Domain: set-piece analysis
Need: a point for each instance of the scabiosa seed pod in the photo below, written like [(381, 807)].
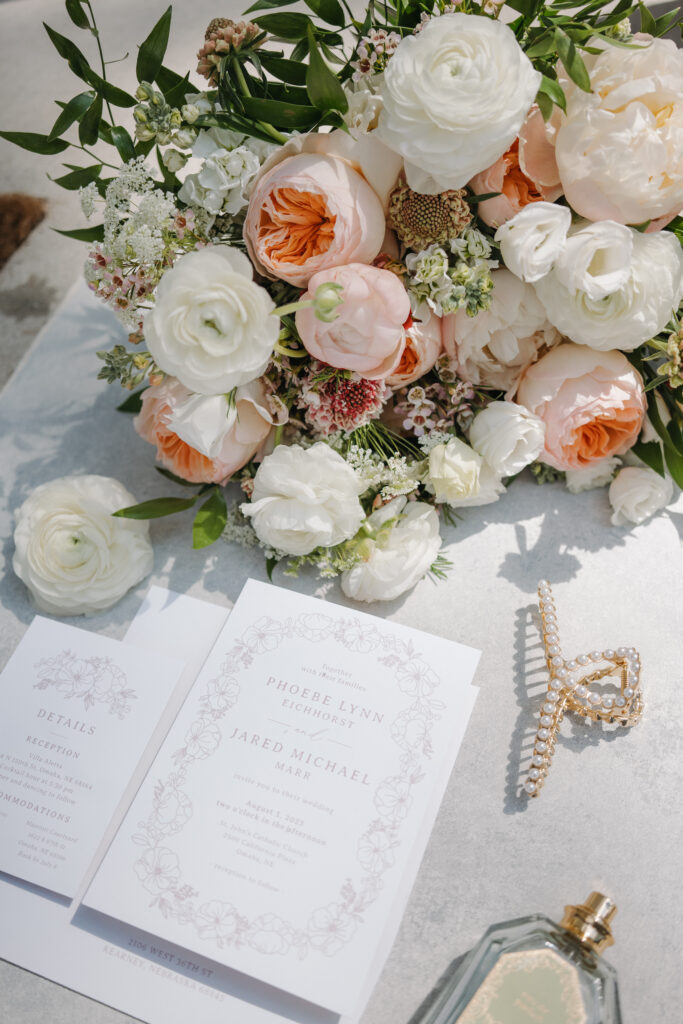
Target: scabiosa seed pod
[(421, 220)]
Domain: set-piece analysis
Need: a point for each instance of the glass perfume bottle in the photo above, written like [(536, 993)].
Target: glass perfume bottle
[(535, 971)]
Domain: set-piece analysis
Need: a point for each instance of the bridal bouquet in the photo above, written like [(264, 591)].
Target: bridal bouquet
[(373, 267)]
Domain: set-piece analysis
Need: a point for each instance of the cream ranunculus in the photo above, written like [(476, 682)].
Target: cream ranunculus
[(595, 474), (494, 347), (636, 493), (399, 559), (455, 97), (453, 471), (74, 556), (211, 325), (304, 498), (507, 436), (620, 147), (613, 287), (533, 239)]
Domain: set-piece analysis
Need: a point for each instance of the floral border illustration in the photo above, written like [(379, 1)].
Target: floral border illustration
[(93, 680), (329, 927)]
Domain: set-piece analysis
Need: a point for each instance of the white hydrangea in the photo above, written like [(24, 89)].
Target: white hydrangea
[(230, 164)]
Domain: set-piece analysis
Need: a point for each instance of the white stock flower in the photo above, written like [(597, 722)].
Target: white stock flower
[(401, 559), (455, 97), (646, 278), (594, 474), (74, 556), (211, 325), (507, 436), (230, 164), (620, 147), (533, 239), (495, 346), (636, 493), (453, 471), (304, 498)]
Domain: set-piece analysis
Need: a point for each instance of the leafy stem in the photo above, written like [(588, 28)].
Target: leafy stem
[(244, 89), (95, 32)]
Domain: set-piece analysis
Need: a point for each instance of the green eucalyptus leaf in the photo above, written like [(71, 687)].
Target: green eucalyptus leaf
[(329, 10), (168, 80), (88, 129), (210, 521), (551, 87), (291, 26), (70, 52), (674, 463), (175, 97), (647, 22), (132, 404), (35, 143), (74, 8), (290, 71), (94, 234), (73, 110), (270, 566), (110, 93), (572, 60), (167, 472), (156, 508), (268, 5), (322, 85), (650, 452), (151, 52), (79, 178), (123, 143), (282, 115)]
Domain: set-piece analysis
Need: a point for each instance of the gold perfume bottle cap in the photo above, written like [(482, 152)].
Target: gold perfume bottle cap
[(589, 921)]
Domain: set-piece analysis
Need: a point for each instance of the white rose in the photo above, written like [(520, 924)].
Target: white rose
[(364, 108), (455, 97), (620, 148), (74, 556), (211, 326), (305, 498), (645, 278), (594, 474), (533, 239), (453, 471), (205, 422), (397, 561), (507, 436), (636, 493), (495, 346)]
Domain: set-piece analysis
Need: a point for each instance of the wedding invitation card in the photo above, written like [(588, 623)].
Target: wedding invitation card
[(281, 824), (76, 712)]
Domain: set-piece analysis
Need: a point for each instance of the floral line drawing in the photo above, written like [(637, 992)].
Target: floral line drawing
[(328, 928), (93, 680)]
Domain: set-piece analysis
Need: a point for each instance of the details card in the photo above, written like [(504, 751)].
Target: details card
[(278, 826), (76, 712)]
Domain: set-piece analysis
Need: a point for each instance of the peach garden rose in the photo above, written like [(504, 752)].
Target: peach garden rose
[(592, 404)]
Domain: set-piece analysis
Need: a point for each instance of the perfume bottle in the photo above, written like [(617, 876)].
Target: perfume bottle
[(534, 971)]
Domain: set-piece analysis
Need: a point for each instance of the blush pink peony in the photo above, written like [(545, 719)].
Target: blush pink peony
[(526, 173), (247, 425), (592, 404), (367, 336)]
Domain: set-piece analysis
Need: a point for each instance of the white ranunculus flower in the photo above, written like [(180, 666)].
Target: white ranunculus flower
[(507, 436), (211, 325), (594, 474), (455, 97), (453, 471), (304, 498), (645, 292), (636, 493), (495, 346), (74, 556), (399, 560), (533, 239), (620, 148)]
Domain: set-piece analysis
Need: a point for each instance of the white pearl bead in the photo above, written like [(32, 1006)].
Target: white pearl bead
[(621, 652), (551, 637), (552, 697), (609, 654), (571, 664), (561, 673), (543, 583), (554, 649), (628, 691), (538, 760), (534, 773), (555, 684), (530, 787), (541, 747), (596, 655), (581, 691), (620, 702), (571, 681), (546, 720), (594, 698), (549, 708), (608, 702), (550, 619), (631, 650), (543, 734)]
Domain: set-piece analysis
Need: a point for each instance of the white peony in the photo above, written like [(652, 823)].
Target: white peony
[(74, 556), (507, 436), (613, 287), (398, 560), (620, 148), (453, 471), (455, 97), (211, 326), (636, 493), (594, 474), (304, 498), (495, 346), (533, 239)]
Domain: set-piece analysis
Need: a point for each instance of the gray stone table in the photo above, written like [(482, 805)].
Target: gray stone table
[(609, 816)]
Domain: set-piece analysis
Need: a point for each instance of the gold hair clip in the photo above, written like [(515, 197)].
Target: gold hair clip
[(569, 689)]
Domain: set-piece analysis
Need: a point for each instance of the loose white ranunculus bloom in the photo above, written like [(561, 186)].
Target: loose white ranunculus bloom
[(507, 436), (304, 498), (533, 239), (645, 291), (455, 97), (74, 556), (495, 346), (594, 474), (211, 325), (453, 471), (398, 560), (620, 148), (636, 493)]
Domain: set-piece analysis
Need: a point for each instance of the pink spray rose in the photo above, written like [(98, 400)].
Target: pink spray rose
[(423, 346), (592, 404), (367, 336)]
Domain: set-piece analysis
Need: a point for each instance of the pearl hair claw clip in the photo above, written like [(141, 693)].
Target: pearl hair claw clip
[(570, 689)]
